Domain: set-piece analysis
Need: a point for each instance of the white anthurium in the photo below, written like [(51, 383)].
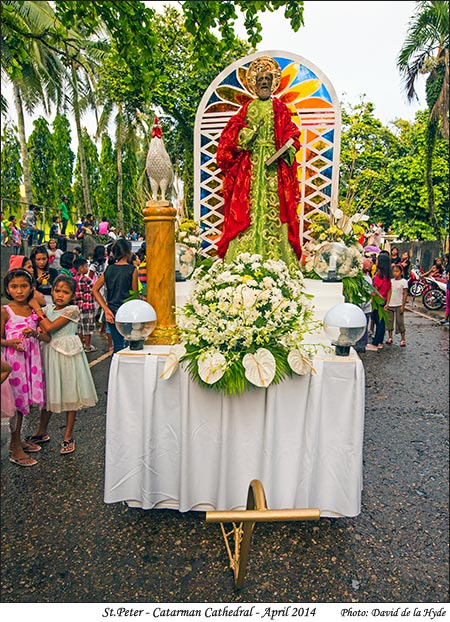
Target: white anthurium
[(260, 367), (211, 366), (173, 360), (338, 213), (359, 217), (298, 362)]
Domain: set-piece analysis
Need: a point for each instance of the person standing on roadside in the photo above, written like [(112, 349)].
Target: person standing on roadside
[(382, 283), (64, 214), (119, 278), (397, 302)]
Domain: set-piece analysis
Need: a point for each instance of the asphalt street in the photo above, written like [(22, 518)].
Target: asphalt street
[(62, 544)]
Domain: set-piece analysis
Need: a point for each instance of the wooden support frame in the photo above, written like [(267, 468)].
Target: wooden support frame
[(243, 522)]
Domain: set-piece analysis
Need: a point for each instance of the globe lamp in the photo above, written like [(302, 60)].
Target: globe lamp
[(135, 321), (332, 261), (345, 324)]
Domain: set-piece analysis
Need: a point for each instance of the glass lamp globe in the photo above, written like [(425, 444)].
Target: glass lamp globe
[(344, 324), (332, 261), (184, 261), (135, 320)]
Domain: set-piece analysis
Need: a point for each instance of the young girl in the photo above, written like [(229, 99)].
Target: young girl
[(54, 253), (397, 302), (43, 273), (382, 283), (68, 378), (119, 278), (85, 302), (20, 340)]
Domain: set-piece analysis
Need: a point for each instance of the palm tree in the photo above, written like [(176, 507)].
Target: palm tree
[(426, 50), (34, 68)]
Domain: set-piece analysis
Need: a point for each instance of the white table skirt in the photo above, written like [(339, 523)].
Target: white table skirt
[(174, 444)]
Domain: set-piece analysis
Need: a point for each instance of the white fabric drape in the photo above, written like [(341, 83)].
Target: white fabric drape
[(174, 444)]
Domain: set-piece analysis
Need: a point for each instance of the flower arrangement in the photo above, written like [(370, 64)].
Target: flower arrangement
[(338, 227), (188, 233), (339, 234), (244, 325)]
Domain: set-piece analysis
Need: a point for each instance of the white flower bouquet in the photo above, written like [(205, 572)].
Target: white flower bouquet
[(244, 325), (188, 233)]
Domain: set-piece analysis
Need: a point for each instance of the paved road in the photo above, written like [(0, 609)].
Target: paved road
[(62, 543)]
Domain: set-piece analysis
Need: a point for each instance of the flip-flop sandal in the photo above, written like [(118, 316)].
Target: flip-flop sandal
[(67, 447), (38, 438), (31, 448), (389, 341), (23, 462)]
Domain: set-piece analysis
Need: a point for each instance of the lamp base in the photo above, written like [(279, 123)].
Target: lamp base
[(340, 350), (136, 345), (331, 277)]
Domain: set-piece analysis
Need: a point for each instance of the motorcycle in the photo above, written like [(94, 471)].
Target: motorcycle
[(416, 284), (433, 296)]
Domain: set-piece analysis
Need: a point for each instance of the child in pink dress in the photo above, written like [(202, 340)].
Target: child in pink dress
[(20, 340)]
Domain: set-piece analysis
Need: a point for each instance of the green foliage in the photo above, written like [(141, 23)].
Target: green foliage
[(357, 291), (107, 188), (42, 155), (384, 172), (63, 159), (93, 175), (10, 178), (202, 18)]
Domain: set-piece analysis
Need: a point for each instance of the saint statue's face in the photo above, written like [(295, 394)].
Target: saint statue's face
[(264, 84)]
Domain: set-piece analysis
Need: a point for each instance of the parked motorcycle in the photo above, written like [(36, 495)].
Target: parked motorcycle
[(433, 296), (416, 284)]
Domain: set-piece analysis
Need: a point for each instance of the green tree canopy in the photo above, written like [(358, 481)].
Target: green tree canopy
[(63, 159), (11, 176), (42, 156)]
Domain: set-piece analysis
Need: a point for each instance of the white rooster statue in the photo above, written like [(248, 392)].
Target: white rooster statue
[(158, 165)]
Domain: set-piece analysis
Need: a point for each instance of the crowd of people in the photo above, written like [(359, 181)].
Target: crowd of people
[(55, 300), (388, 273), (27, 232)]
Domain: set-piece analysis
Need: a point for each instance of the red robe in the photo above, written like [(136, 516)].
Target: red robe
[(236, 166)]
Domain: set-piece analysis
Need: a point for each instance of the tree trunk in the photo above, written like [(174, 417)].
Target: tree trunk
[(432, 131), (119, 169), (83, 169), (23, 144)]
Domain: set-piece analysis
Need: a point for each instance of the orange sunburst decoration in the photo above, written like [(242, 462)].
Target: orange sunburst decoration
[(297, 88)]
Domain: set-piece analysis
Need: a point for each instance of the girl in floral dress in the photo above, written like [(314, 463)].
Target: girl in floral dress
[(20, 339), (68, 378)]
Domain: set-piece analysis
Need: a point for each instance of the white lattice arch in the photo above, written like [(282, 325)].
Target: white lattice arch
[(318, 116)]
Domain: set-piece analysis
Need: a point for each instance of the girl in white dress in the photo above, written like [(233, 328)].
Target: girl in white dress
[(69, 382)]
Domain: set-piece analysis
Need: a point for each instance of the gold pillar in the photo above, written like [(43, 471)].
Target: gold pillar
[(159, 218)]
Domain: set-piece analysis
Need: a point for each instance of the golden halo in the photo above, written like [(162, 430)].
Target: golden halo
[(263, 63)]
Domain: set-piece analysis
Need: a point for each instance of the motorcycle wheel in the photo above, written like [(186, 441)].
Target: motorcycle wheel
[(416, 289), (433, 299)]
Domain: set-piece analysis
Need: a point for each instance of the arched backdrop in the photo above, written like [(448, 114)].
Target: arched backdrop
[(314, 107)]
